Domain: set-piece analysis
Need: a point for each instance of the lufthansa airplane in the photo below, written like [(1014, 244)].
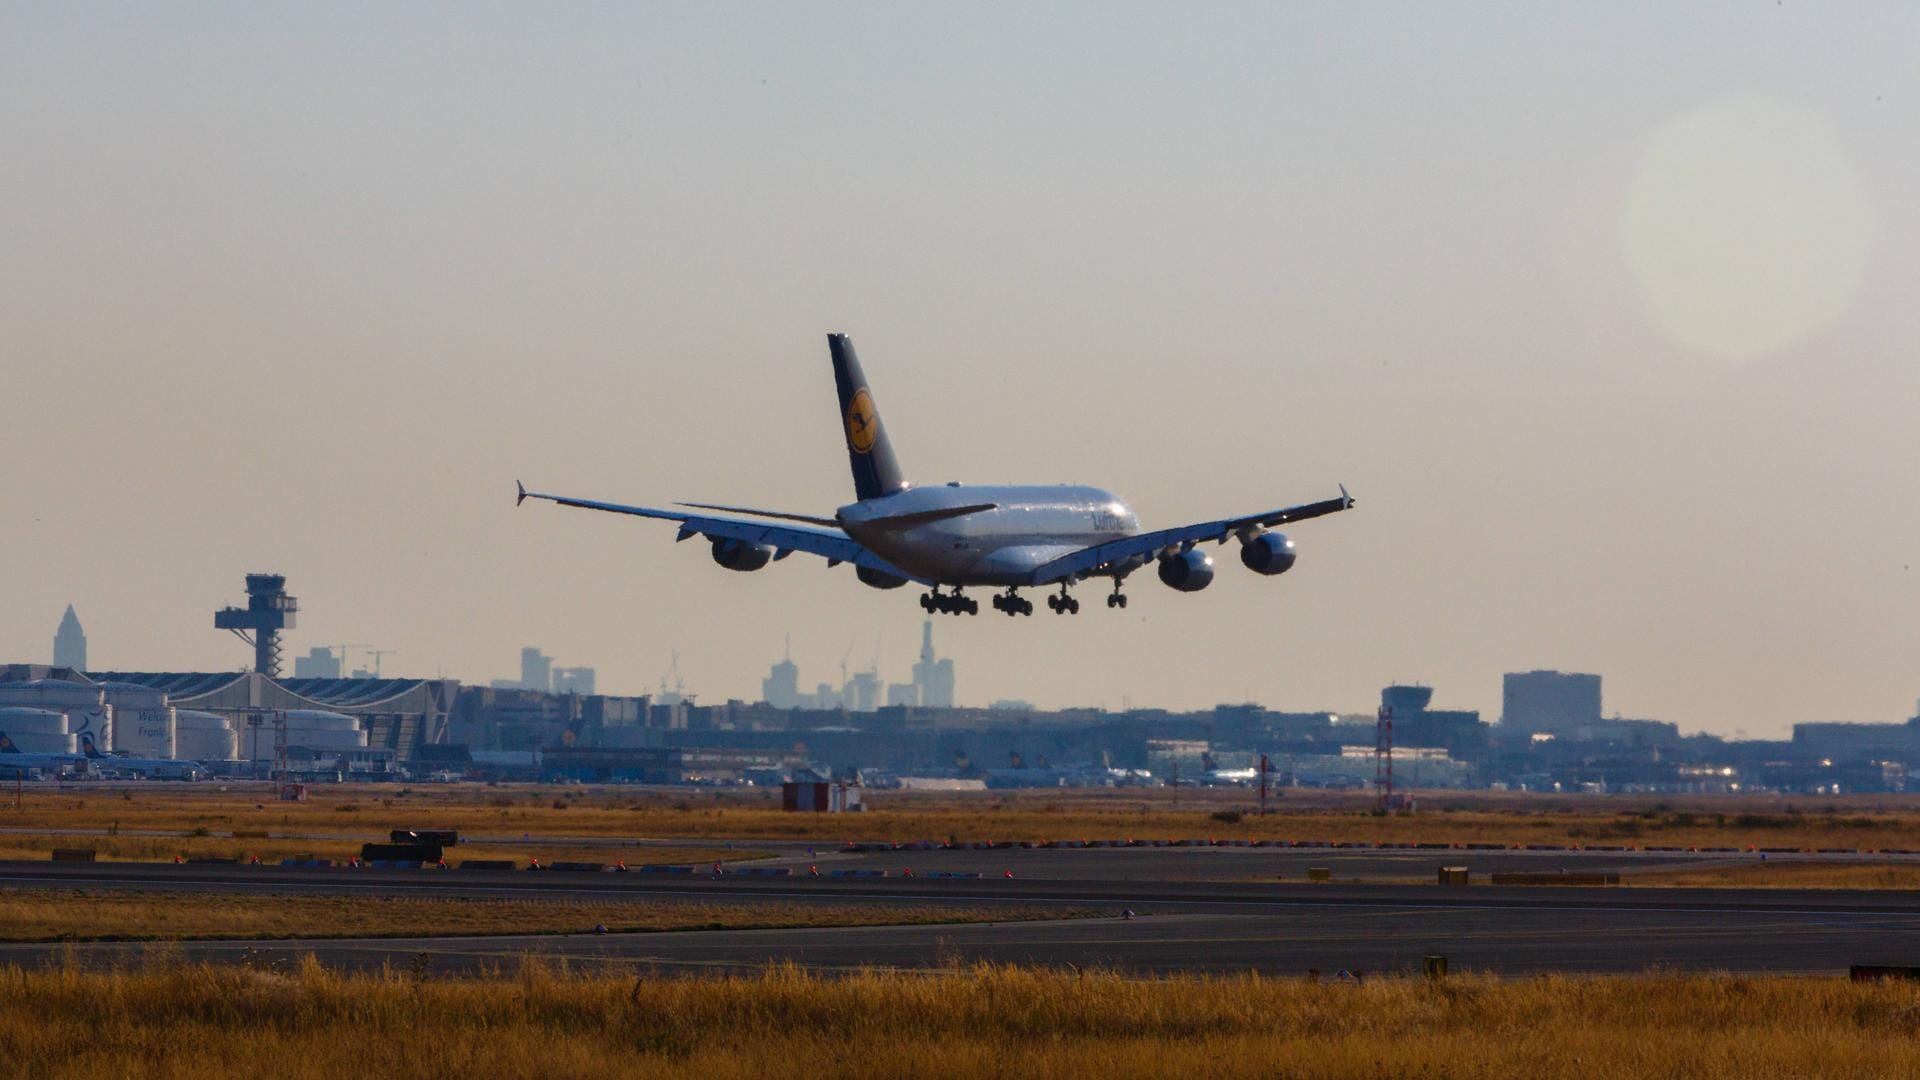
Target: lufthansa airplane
[(14, 758), (151, 768), (954, 536)]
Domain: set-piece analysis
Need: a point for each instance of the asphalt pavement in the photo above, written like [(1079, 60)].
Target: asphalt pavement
[(1276, 927)]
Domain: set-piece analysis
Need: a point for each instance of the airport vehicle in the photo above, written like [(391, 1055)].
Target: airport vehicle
[(954, 536), (145, 768), (13, 758)]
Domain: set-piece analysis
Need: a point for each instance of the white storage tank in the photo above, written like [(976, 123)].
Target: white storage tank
[(37, 731), (312, 729), (203, 736), (143, 721), (85, 704)]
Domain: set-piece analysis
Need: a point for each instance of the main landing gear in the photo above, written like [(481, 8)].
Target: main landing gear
[(1012, 603), (1063, 604), (1117, 598), (951, 603)]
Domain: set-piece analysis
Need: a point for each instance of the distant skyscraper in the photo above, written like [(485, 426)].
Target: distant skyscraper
[(573, 680), (1549, 701), (863, 691), (781, 687), (70, 643), (932, 678), (536, 670), (317, 664)]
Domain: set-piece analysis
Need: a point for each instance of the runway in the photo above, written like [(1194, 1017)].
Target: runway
[(1206, 926)]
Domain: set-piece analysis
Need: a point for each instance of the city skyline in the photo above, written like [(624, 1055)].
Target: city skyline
[(1602, 314), (1575, 697)]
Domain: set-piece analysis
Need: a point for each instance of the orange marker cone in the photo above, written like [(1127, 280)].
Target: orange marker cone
[(620, 865), (533, 864), (443, 864), (176, 860), (814, 870), (1008, 874)]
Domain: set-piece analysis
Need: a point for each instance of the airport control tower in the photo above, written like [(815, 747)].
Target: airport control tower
[(269, 610)]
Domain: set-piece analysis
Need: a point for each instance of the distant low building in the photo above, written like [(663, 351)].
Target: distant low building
[(573, 680), (319, 663), (1554, 702)]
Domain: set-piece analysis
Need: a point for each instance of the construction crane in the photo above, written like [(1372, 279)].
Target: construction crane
[(377, 654), (342, 650)]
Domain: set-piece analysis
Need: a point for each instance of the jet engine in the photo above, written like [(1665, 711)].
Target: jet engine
[(740, 555), (1189, 571), (1267, 553), (877, 579)]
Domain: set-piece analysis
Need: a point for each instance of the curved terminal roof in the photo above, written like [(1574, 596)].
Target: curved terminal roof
[(328, 693)]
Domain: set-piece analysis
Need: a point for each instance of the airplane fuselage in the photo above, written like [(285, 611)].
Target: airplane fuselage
[(1027, 526), (150, 768), (17, 760)]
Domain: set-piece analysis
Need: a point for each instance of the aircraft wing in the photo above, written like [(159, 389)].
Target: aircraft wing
[(831, 544), (1086, 561)]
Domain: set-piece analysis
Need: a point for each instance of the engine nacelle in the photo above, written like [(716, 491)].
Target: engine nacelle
[(1189, 571), (740, 555), (1268, 553), (877, 579)]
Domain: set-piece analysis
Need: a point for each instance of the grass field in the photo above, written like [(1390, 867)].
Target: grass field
[(82, 915), (196, 1021), (1785, 875), (367, 812)]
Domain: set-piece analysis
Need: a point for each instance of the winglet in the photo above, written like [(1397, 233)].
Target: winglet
[(522, 497), (1344, 497)]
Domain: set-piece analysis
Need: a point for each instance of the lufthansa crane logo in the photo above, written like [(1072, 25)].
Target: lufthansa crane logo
[(863, 422)]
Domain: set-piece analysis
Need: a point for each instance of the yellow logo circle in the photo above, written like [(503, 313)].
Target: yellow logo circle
[(863, 422)]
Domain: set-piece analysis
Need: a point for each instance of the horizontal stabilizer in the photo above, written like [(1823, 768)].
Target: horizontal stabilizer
[(805, 519), (908, 521)]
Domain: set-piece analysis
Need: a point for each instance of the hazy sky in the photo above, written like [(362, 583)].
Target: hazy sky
[(1606, 313)]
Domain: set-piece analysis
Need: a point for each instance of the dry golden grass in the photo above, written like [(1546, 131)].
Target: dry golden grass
[(198, 1021), (85, 915), (367, 812), (1774, 874)]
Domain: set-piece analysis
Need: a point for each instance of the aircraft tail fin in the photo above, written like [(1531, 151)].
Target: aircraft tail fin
[(6, 745), (87, 747), (876, 472)]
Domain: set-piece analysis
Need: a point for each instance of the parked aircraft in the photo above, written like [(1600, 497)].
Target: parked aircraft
[(12, 758), (149, 768), (955, 536)]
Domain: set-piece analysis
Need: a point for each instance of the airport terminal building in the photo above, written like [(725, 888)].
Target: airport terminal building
[(367, 725)]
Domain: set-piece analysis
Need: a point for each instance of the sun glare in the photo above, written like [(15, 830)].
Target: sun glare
[(1745, 228)]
